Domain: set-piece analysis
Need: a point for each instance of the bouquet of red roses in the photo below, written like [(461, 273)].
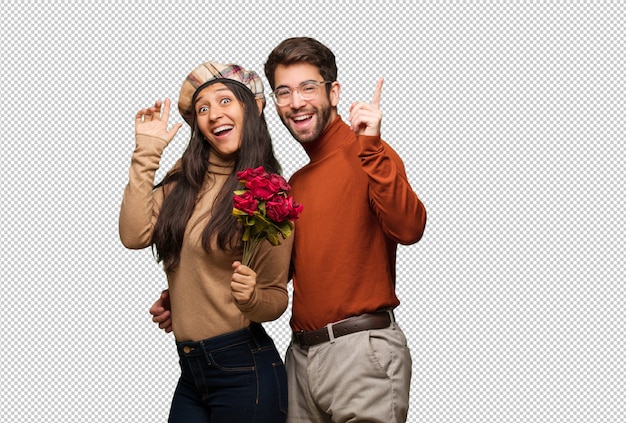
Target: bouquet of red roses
[(264, 208)]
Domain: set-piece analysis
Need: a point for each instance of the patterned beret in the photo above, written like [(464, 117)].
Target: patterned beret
[(211, 71)]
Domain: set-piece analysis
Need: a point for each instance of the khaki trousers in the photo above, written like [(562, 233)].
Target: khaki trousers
[(361, 377)]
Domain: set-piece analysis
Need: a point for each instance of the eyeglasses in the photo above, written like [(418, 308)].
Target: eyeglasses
[(307, 91)]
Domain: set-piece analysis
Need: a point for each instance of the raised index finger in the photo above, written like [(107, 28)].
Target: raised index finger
[(377, 92)]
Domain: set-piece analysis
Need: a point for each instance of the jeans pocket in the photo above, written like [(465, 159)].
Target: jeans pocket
[(234, 358)]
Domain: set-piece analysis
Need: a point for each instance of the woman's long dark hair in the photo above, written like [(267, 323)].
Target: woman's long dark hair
[(179, 202)]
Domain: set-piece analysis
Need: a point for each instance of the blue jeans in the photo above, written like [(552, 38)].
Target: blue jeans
[(236, 377)]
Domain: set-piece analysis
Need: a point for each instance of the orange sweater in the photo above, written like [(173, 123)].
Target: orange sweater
[(358, 205)]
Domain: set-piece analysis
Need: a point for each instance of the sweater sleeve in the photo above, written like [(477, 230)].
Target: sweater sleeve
[(398, 208), (141, 202), (270, 299)]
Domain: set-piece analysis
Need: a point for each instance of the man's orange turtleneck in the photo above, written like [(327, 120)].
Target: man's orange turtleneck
[(358, 205)]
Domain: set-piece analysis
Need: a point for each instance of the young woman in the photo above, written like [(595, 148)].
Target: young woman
[(230, 368)]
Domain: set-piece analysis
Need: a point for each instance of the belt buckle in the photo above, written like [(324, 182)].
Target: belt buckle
[(300, 338)]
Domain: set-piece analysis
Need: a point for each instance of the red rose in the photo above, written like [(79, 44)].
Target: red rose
[(280, 182), (277, 208), (294, 208), (249, 174), (246, 203), (262, 187)]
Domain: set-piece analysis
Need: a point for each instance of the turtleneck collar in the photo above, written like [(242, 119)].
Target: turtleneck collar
[(220, 165), (333, 137)]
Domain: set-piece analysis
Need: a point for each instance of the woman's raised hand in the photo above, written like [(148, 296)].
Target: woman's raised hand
[(152, 122)]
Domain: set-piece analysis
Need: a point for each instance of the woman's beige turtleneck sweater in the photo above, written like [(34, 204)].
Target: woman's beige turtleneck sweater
[(201, 301)]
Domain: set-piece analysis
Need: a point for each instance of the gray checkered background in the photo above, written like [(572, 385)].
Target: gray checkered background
[(509, 117)]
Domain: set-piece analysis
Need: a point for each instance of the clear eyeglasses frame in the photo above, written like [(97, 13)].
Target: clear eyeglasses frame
[(307, 91)]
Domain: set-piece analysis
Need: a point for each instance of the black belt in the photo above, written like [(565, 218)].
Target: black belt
[(376, 320)]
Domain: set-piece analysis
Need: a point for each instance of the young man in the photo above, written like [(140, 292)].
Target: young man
[(348, 360)]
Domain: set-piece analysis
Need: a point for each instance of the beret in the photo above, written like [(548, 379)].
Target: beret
[(212, 71)]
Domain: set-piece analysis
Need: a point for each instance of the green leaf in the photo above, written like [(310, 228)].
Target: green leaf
[(285, 228), (273, 238), (238, 212), (246, 234)]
